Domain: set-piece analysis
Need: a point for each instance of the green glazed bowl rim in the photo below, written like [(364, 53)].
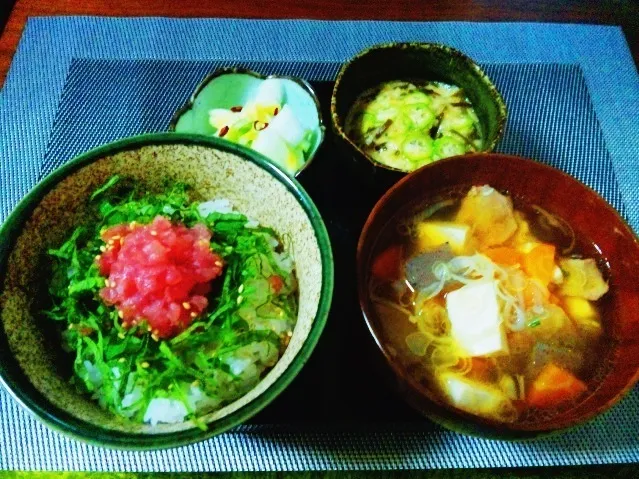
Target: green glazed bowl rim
[(306, 86), (78, 429), (496, 95)]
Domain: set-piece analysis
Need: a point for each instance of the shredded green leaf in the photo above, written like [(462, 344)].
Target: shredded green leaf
[(534, 323)]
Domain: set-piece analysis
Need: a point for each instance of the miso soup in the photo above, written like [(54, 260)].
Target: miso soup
[(494, 305)]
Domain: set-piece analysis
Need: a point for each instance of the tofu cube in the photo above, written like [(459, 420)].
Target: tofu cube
[(474, 397), (433, 234), (473, 312), (579, 308)]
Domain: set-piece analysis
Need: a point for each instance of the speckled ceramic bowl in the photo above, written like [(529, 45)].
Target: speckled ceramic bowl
[(31, 358), (412, 61), (229, 87)]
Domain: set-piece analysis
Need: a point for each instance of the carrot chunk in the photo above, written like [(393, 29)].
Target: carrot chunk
[(540, 262), (554, 386), (276, 282), (387, 265), (504, 255)]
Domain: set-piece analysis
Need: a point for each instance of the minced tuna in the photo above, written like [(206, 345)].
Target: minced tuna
[(158, 273)]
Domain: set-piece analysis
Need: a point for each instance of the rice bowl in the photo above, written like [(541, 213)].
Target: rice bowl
[(214, 170)]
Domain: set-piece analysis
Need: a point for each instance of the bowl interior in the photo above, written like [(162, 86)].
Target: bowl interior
[(51, 211), (231, 87), (419, 61), (590, 217)]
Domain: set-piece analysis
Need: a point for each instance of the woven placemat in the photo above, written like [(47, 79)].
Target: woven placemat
[(35, 81), (559, 115)]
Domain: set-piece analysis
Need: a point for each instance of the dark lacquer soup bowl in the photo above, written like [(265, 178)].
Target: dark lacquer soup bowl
[(523, 375), (35, 368)]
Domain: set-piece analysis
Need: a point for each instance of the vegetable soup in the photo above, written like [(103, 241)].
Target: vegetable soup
[(493, 305)]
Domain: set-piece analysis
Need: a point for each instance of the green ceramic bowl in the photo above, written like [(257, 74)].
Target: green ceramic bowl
[(230, 87), (412, 61), (34, 369)]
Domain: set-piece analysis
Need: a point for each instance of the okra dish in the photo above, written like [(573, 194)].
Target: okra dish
[(406, 125)]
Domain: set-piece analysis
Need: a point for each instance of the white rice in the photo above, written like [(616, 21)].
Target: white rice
[(169, 411), (165, 410), (130, 399), (215, 206), (199, 401), (93, 373)]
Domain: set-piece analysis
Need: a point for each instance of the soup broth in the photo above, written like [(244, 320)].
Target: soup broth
[(493, 306)]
